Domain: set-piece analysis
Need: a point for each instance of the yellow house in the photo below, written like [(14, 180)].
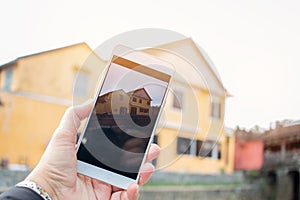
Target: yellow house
[(35, 90), (191, 130), (115, 102), (139, 102)]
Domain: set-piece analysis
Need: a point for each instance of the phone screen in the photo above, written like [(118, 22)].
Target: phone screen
[(118, 131)]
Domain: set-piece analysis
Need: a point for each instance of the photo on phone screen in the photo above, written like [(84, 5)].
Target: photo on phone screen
[(118, 131)]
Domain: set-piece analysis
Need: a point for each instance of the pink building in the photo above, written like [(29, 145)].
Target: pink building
[(249, 150)]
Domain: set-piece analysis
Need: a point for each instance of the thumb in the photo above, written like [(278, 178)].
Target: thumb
[(70, 122)]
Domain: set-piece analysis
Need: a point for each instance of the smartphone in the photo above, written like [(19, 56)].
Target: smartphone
[(118, 132)]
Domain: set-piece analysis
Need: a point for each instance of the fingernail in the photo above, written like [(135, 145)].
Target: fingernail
[(148, 167)]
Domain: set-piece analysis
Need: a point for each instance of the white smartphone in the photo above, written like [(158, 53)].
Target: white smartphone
[(118, 132)]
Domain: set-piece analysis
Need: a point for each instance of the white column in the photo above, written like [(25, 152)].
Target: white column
[(214, 153), (282, 151)]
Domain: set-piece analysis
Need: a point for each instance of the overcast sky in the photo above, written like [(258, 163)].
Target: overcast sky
[(129, 80), (255, 44)]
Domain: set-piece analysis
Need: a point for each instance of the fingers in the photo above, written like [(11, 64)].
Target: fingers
[(102, 190), (132, 193), (83, 110), (153, 152), (147, 168), (146, 173), (71, 120), (73, 116)]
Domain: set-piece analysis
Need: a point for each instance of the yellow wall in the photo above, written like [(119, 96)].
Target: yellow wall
[(41, 90), (26, 127), (114, 103), (169, 160), (53, 73), (117, 103), (102, 108), (209, 128), (193, 120)]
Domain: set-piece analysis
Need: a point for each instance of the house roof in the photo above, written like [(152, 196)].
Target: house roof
[(247, 135), (13, 62), (112, 92), (9, 64), (281, 133), (140, 89), (129, 93), (188, 50)]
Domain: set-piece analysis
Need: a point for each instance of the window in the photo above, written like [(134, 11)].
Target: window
[(144, 110), (193, 147), (8, 79), (177, 99), (206, 149), (123, 110), (81, 84), (1, 84), (187, 146), (121, 97), (219, 151), (133, 111), (148, 102), (216, 110), (134, 99), (199, 145), (183, 145), (140, 100), (209, 149), (155, 141)]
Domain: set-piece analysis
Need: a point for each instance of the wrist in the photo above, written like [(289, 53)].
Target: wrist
[(44, 183), (35, 188)]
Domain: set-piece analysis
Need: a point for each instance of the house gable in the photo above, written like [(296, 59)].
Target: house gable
[(185, 54), (142, 93)]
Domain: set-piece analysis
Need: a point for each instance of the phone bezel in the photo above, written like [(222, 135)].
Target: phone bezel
[(147, 61)]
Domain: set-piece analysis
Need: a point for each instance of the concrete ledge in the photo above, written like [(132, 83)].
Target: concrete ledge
[(190, 178), (9, 178), (200, 192), (174, 186)]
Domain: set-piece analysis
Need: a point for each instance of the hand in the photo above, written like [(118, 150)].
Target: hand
[(57, 170)]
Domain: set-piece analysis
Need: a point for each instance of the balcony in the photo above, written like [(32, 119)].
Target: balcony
[(281, 158)]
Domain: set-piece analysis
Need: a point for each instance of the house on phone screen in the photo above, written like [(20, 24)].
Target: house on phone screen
[(140, 102), (35, 90), (136, 102), (113, 103), (191, 130)]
